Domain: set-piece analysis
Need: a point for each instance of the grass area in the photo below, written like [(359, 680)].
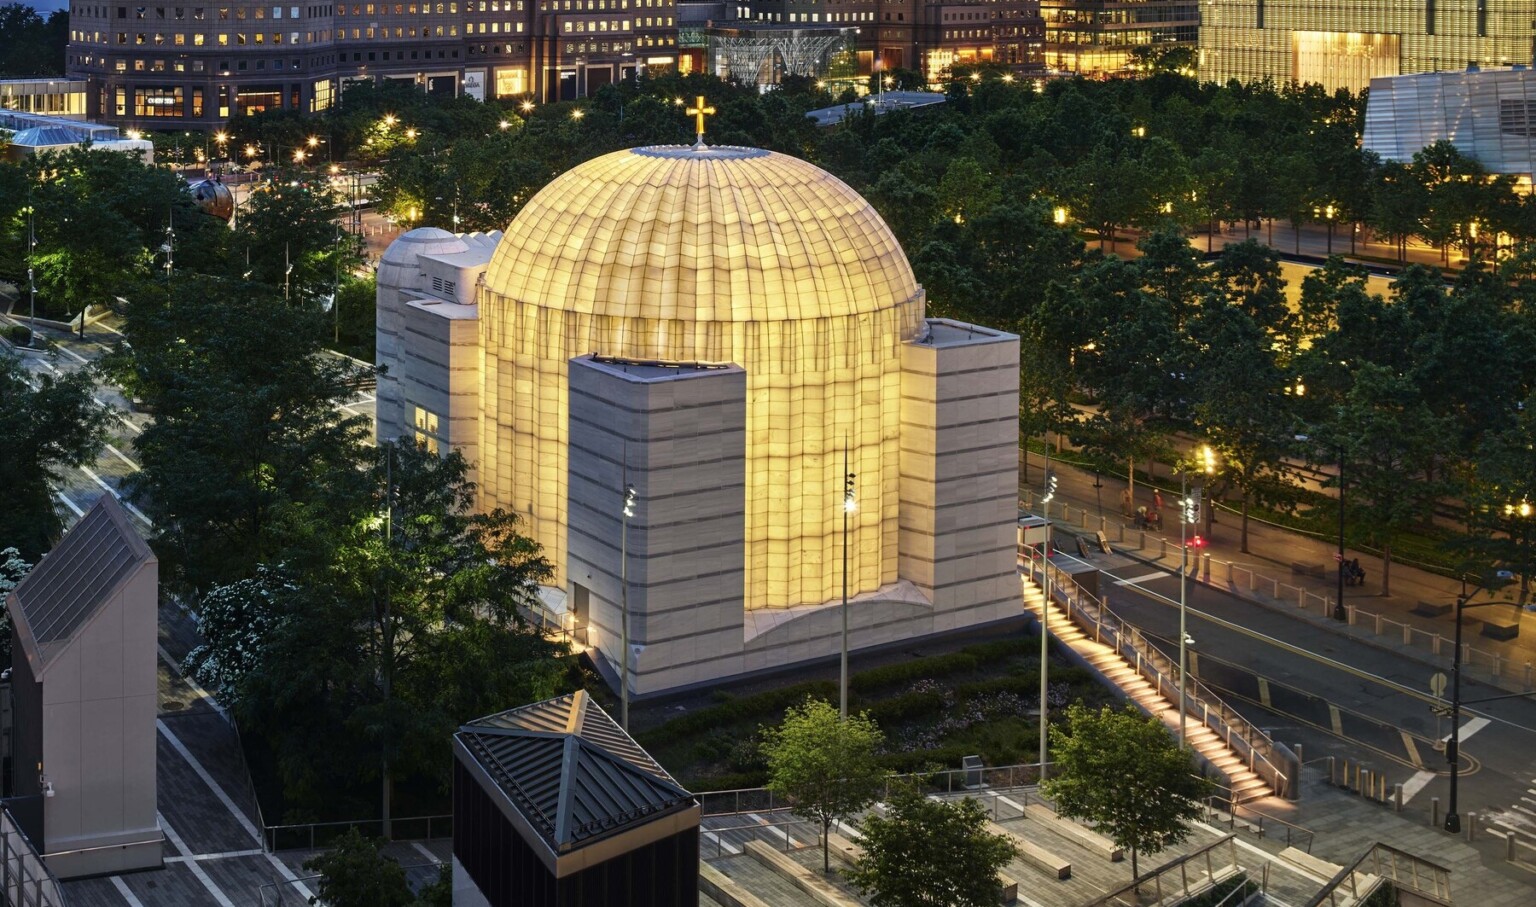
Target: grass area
[(980, 700)]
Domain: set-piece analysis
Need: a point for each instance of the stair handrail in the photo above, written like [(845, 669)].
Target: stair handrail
[(1356, 882), (1259, 752)]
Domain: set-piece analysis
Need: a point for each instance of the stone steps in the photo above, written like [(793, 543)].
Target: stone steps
[(1244, 784)]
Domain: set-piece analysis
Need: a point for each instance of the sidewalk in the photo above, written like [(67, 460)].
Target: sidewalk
[(1267, 576)]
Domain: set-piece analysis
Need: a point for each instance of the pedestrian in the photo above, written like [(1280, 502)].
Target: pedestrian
[(1157, 500), (1126, 500)]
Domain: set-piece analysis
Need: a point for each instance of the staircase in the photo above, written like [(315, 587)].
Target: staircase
[(1157, 696)]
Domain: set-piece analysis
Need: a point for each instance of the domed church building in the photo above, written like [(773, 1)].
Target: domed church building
[(704, 379)]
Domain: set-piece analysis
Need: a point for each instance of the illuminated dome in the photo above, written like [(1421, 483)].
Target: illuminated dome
[(739, 255), (717, 235)]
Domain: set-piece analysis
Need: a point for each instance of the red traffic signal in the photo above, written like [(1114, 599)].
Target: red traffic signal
[(1197, 542)]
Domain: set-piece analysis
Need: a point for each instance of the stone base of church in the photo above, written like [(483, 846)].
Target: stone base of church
[(773, 640)]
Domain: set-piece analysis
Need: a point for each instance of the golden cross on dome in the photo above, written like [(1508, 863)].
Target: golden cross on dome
[(699, 112)]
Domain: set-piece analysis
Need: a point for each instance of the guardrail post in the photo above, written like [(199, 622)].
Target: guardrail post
[(1229, 573), (1471, 826), (1434, 812), (1509, 848), (1435, 647), (1162, 550), (1301, 598), (1378, 624), (1253, 581), (1397, 798), (1205, 567), (1407, 635)]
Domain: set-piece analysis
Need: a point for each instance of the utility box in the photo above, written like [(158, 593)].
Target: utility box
[(1084, 574), (1033, 530)]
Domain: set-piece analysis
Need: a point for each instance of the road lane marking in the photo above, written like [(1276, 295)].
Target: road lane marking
[(124, 457), (70, 504), (113, 492), (1413, 785), (1133, 580), (229, 804), (1412, 748), (197, 870), (1467, 730), (122, 889)]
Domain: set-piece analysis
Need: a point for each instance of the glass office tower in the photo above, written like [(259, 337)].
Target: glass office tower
[(1346, 43)]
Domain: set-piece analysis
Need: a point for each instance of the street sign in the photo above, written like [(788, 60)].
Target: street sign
[(1437, 684)]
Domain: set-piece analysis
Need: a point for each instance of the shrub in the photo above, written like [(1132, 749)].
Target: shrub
[(915, 669), (18, 334), (893, 711)]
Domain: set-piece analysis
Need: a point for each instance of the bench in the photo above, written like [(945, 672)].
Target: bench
[(820, 890), (1432, 609), (1086, 838), (1318, 570), (1501, 629), (725, 889), (1305, 861), (1034, 854)]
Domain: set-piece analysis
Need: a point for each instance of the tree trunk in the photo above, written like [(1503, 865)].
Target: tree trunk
[(1244, 546), (1296, 232), (826, 847), (1130, 474), (1386, 569), (1135, 870)]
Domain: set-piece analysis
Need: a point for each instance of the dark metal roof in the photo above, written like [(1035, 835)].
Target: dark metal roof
[(75, 579), (571, 771)]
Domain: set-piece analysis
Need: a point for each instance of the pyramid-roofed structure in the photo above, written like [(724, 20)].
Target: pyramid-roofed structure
[(74, 581), (571, 772)]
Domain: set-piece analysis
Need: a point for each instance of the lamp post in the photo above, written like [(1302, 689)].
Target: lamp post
[(1045, 609), (31, 282), (850, 504), (629, 511), (1189, 507), (1453, 747), (1340, 613)]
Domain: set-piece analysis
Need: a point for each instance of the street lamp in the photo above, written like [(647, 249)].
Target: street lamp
[(1453, 748), (1189, 512), (850, 505), (1045, 607), (629, 511), (31, 282), (1059, 216)]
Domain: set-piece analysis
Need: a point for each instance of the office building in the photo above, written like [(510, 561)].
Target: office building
[(159, 67), (1099, 37), (1340, 44)]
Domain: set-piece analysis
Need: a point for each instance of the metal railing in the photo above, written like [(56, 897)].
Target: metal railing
[(316, 835), (290, 893), (1241, 816), (24, 877), (1184, 878), (1384, 864), (1003, 779), (1272, 763)]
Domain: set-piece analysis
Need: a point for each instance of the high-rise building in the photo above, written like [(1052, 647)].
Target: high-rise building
[(929, 36), (173, 66), (1094, 37), (1341, 44)]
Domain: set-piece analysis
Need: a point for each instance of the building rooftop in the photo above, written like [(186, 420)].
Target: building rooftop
[(944, 333), (570, 772), (72, 583), (646, 371)]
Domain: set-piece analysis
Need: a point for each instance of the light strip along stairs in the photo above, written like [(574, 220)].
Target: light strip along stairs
[(1244, 783)]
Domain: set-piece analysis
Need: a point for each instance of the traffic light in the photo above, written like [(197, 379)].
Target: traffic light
[(1197, 542)]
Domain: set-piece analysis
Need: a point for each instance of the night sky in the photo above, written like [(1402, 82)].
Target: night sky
[(47, 6)]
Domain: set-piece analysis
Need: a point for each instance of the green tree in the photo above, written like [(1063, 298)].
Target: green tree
[(356, 873), (12, 569), (31, 46), (1123, 772), (249, 456), (51, 423), (287, 237), (825, 765), (410, 628), (1501, 493), (929, 853), (1391, 444)]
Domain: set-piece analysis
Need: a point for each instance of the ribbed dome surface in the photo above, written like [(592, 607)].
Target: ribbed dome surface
[(713, 235)]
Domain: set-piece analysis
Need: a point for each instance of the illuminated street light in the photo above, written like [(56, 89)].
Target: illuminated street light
[(1189, 513), (389, 120), (1060, 216), (504, 125), (577, 114), (526, 106), (850, 505), (312, 142)]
